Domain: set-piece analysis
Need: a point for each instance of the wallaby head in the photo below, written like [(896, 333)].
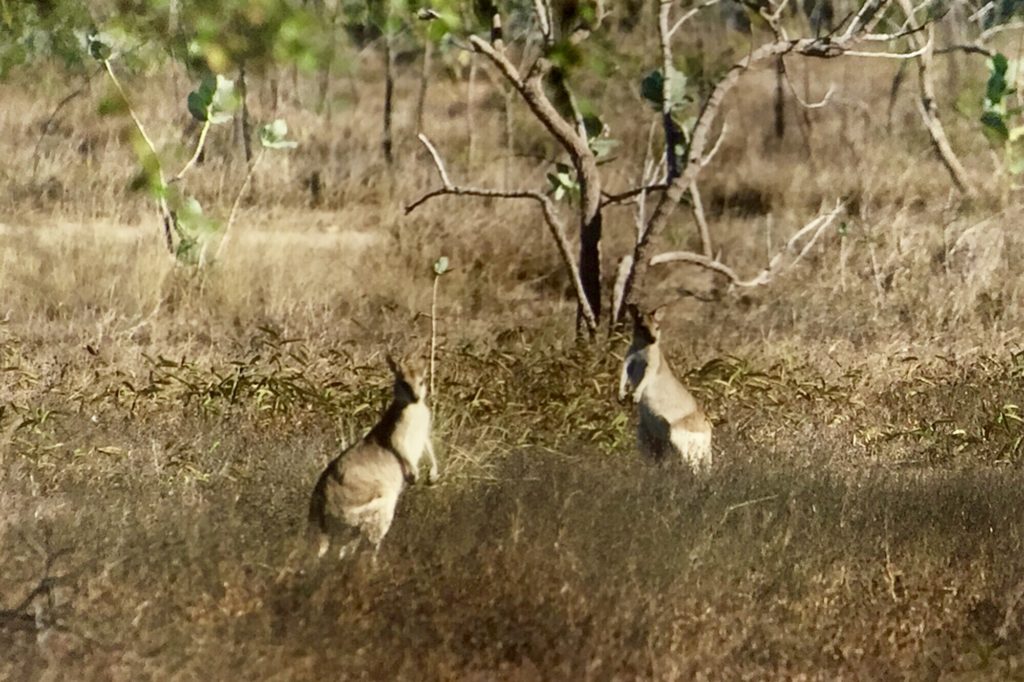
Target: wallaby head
[(410, 378), (647, 326)]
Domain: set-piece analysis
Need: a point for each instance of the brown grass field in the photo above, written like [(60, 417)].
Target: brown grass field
[(161, 429)]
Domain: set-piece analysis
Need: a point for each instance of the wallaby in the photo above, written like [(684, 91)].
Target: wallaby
[(359, 489), (670, 420)]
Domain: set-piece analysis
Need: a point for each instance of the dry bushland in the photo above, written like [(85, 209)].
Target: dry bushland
[(160, 430)]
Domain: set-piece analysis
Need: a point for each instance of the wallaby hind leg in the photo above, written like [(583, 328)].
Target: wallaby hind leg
[(691, 436), (435, 472), (348, 549), (324, 544), (694, 447), (374, 518)]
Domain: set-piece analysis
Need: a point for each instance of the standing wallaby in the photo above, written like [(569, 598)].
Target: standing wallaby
[(670, 420), (359, 489)]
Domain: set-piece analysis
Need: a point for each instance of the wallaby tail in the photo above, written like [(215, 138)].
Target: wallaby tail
[(318, 505)]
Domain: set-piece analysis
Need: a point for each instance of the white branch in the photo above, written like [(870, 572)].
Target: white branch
[(985, 9), (808, 105), (541, 9), (808, 235), (688, 15), (989, 32), (892, 55), (706, 159)]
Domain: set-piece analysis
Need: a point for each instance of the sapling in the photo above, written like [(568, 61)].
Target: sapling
[(440, 268)]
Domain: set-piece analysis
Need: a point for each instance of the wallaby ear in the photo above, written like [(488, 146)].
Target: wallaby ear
[(634, 311), (392, 365)]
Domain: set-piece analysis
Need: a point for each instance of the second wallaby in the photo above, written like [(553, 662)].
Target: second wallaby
[(670, 420), (358, 491)]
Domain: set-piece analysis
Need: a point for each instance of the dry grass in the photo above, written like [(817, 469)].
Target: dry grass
[(164, 428)]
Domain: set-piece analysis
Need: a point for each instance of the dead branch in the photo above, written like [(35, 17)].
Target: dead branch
[(929, 109), (689, 14), (798, 246), (920, 51), (987, 34), (715, 147), (968, 49), (800, 100), (554, 223), (629, 194), (697, 208)]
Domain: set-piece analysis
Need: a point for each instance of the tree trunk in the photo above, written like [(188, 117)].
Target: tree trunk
[(470, 126), (780, 99), (590, 240), (246, 125), (421, 98), (389, 92)]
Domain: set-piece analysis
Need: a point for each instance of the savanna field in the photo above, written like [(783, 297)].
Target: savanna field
[(163, 421)]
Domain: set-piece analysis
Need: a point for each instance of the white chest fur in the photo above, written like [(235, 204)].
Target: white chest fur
[(412, 432), (662, 394)]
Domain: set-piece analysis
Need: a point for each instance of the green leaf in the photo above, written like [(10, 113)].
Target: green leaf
[(996, 88), (98, 50), (994, 128), (1015, 166), (593, 124), (272, 135), (224, 100), (603, 147), (196, 106), (652, 89), (448, 23), (441, 266), (565, 55), (194, 229), (214, 100)]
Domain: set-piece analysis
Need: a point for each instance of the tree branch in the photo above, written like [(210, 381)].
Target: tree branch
[(929, 109), (554, 224), (689, 14), (815, 229), (623, 197)]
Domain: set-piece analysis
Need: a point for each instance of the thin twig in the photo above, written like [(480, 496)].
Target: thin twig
[(53, 115), (706, 159), (166, 215), (623, 197), (688, 15), (237, 202), (196, 154), (554, 224), (808, 105), (815, 229), (892, 55), (697, 208)]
